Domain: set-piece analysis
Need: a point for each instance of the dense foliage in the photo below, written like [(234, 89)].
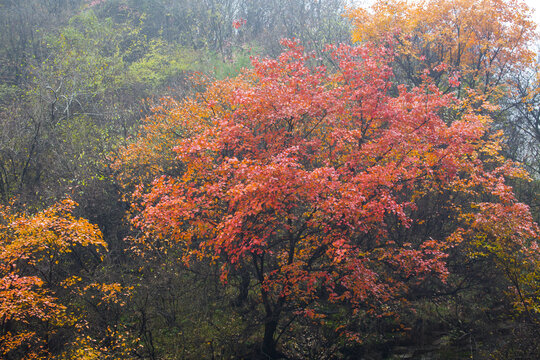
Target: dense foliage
[(301, 179)]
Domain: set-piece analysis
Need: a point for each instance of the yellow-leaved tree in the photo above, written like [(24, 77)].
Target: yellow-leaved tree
[(40, 289), (479, 42)]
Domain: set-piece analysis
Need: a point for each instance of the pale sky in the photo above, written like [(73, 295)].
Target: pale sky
[(535, 4)]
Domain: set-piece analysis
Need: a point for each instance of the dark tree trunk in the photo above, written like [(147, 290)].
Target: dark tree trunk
[(269, 343)]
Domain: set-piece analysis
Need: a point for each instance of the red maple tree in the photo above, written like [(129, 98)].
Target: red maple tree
[(315, 183)]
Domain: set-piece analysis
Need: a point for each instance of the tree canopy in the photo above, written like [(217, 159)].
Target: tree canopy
[(313, 182)]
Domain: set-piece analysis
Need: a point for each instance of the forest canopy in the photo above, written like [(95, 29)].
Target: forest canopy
[(301, 179)]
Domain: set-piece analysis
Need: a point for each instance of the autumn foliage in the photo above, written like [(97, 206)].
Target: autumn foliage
[(315, 181), (481, 41), (32, 250), (329, 202)]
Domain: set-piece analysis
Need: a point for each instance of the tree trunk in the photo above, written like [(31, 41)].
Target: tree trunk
[(269, 343)]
